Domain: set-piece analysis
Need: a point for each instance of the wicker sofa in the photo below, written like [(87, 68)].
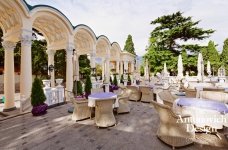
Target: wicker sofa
[(214, 95)]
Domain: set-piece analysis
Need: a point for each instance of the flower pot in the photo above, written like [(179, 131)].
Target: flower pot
[(39, 110), (46, 83)]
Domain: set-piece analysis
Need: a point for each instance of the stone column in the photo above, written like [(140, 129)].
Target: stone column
[(9, 83), (107, 74), (76, 57), (103, 68), (118, 66), (92, 60), (69, 69), (121, 68), (51, 61), (126, 66), (26, 65), (132, 67)]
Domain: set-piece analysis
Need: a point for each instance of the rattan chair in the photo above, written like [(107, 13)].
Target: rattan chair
[(170, 131), (135, 93), (147, 94), (167, 97), (124, 105), (97, 90), (81, 110), (104, 116), (190, 92)]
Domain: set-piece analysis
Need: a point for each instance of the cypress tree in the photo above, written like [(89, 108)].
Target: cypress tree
[(224, 55), (37, 94), (129, 45)]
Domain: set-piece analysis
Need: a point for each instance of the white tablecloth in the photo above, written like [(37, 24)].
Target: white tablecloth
[(201, 116), (102, 95)]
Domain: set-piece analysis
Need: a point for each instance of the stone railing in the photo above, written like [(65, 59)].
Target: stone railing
[(54, 96)]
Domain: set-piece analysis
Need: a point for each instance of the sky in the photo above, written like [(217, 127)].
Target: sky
[(118, 18)]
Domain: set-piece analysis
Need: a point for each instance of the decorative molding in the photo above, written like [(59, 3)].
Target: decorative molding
[(26, 40), (8, 45)]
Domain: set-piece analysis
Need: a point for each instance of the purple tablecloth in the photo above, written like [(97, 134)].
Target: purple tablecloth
[(102, 95), (203, 103)]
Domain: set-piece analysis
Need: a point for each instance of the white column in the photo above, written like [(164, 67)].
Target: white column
[(132, 67), (76, 57), (107, 74), (118, 66), (121, 68), (69, 69), (51, 61), (9, 83), (92, 60), (126, 66), (26, 64), (103, 68)]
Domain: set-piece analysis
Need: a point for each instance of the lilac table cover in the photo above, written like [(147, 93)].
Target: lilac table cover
[(101, 95), (203, 103)]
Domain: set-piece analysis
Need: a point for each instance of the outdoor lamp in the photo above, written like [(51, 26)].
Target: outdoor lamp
[(51, 68)]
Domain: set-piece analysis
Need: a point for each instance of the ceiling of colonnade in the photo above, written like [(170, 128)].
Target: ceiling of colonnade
[(55, 28), (84, 39), (115, 51), (10, 17), (103, 47)]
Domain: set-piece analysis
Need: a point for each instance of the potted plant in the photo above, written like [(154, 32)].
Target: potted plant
[(128, 79), (77, 89), (38, 98), (88, 86), (122, 79), (110, 80)]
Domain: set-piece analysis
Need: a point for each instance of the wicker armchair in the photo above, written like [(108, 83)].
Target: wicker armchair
[(170, 131), (135, 93), (190, 92), (97, 90), (104, 116), (147, 94), (214, 95), (123, 105), (167, 97), (81, 110)]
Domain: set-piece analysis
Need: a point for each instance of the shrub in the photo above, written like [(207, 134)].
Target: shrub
[(77, 88), (37, 95), (129, 79), (88, 85), (122, 79), (110, 79), (115, 81)]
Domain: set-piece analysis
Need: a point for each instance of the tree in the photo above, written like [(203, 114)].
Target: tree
[(122, 79), (77, 88), (84, 66), (37, 95), (129, 45), (60, 64), (224, 55), (88, 85), (173, 31), (115, 81)]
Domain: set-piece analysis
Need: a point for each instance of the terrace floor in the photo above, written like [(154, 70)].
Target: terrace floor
[(56, 131)]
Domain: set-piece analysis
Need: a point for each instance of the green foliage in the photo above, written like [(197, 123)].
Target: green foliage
[(169, 38), (88, 85), (224, 55), (122, 79), (77, 88), (115, 81), (170, 28), (129, 45), (39, 57), (128, 78), (98, 70), (60, 64), (37, 95), (84, 66)]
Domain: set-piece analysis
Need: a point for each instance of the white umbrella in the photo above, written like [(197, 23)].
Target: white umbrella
[(208, 68), (146, 70), (180, 67), (200, 67)]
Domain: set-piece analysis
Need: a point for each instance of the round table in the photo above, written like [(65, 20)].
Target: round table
[(204, 112), (102, 95)]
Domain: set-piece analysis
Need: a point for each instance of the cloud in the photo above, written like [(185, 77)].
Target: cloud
[(117, 18)]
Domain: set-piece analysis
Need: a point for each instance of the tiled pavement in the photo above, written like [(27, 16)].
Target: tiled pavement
[(56, 131)]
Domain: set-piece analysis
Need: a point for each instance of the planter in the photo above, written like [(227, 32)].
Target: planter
[(59, 81), (86, 95), (39, 110), (46, 83)]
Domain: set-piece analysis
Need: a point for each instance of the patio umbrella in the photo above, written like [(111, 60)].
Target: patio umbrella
[(200, 67), (208, 68), (146, 70), (165, 69), (180, 67)]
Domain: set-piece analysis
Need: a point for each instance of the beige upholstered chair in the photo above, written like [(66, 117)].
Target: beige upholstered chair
[(104, 116), (167, 97), (147, 94), (190, 92), (97, 90), (170, 131), (81, 110), (214, 95), (124, 105), (135, 93)]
